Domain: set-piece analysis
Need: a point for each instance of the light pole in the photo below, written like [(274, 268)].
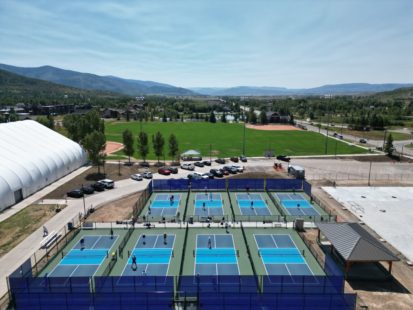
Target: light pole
[(243, 140), (84, 203), (384, 139), (210, 152), (369, 173)]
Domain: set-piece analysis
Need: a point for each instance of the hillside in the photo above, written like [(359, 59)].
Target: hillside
[(96, 82), (400, 93), (15, 88), (335, 89)]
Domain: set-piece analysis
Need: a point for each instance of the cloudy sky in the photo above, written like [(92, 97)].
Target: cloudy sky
[(215, 42)]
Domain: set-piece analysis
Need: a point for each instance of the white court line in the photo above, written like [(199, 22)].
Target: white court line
[(235, 249), (258, 249), (96, 242)]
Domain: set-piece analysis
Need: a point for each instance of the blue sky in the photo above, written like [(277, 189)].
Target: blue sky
[(215, 42)]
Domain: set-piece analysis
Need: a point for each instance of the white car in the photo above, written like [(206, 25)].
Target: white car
[(239, 168), (136, 177), (188, 167), (147, 175), (109, 184)]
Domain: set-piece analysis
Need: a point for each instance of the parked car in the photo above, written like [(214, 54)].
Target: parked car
[(224, 172), (234, 159), (147, 175), (206, 163), (136, 177), (238, 167), (188, 167), (199, 164), (216, 173), (243, 158), (98, 187), (109, 184), (173, 170), (230, 169), (284, 158), (220, 161), (207, 175), (194, 176), (164, 171), (363, 141), (76, 193), (88, 189)]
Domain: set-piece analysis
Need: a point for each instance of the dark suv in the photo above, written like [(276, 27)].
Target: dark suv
[(76, 193), (216, 173)]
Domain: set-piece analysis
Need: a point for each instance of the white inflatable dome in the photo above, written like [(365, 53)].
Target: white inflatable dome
[(31, 157)]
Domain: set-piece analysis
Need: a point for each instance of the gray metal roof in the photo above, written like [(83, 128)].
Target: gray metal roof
[(354, 243)]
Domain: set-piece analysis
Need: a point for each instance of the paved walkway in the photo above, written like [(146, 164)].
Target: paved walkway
[(40, 194), (12, 260)]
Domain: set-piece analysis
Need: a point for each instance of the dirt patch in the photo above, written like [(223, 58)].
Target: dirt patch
[(259, 175), (272, 127), (19, 226), (112, 171), (112, 147), (394, 293), (119, 210)]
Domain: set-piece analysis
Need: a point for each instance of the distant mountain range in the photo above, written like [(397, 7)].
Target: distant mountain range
[(16, 88), (96, 82), (337, 89), (136, 87)]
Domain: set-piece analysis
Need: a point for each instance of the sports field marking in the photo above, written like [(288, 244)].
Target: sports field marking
[(214, 257), (281, 259), (156, 255), (88, 260), (208, 204), (252, 204), (296, 204)]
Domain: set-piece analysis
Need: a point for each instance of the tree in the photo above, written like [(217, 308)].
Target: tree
[(95, 143), (173, 146), (128, 148), (389, 148), (212, 118), (158, 143), (252, 117), (263, 118), (143, 145), (127, 114), (223, 118), (47, 121), (164, 119)]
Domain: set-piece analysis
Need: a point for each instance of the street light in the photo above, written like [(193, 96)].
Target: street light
[(84, 203), (243, 140)]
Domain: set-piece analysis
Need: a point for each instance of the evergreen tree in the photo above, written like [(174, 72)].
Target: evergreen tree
[(212, 118), (223, 118), (158, 143), (263, 118), (173, 146), (128, 148), (389, 148), (143, 145)]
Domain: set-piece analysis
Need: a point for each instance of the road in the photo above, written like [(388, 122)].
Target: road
[(400, 146)]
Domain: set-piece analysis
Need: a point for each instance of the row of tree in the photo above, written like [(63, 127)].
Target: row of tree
[(158, 143)]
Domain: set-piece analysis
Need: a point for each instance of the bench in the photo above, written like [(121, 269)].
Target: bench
[(47, 241)]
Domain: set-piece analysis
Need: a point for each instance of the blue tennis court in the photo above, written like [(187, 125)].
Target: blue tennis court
[(215, 254), (252, 204), (296, 204), (153, 254), (164, 204), (208, 204), (83, 260), (280, 255)]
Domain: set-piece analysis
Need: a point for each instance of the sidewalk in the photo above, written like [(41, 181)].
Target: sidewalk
[(40, 194), (12, 260)]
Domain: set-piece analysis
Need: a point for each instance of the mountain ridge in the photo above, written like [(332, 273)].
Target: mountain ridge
[(91, 81)]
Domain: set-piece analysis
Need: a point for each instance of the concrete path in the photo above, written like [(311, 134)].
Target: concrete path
[(12, 260), (40, 194)]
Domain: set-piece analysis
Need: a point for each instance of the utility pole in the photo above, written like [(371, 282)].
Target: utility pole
[(326, 141), (369, 173), (84, 203), (210, 152), (243, 140)]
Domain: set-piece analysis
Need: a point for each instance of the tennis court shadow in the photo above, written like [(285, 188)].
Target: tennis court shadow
[(375, 278)]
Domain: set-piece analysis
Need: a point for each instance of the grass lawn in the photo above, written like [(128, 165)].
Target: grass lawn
[(19, 226), (227, 139)]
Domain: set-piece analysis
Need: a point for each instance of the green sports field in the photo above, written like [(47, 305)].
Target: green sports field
[(227, 139)]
